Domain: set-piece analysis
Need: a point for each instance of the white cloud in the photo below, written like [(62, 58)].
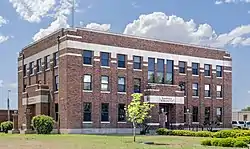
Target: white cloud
[(96, 26), (232, 1), (160, 26), (62, 10), (1, 83), (135, 5), (33, 10), (3, 21), (218, 2), (3, 38), (60, 22)]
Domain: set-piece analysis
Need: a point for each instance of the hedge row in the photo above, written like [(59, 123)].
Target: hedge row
[(219, 134), (227, 142)]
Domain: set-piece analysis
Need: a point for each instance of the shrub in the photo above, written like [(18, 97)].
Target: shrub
[(203, 134), (223, 134), (227, 142), (161, 131), (6, 126), (215, 141), (244, 139), (43, 124), (240, 143), (206, 142), (182, 133)]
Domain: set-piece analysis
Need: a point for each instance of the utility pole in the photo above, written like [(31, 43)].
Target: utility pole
[(73, 13), (8, 104)]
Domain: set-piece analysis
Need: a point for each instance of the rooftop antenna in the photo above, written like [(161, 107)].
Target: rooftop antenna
[(73, 13)]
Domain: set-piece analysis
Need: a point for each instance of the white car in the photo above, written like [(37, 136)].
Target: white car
[(239, 124)]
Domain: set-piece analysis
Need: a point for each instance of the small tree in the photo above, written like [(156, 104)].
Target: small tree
[(43, 124), (138, 111)]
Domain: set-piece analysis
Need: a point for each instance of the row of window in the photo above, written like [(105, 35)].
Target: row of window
[(87, 110), (207, 89), (31, 65), (195, 69), (87, 85), (105, 86), (207, 114)]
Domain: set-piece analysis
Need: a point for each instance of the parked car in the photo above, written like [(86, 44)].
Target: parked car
[(239, 124)]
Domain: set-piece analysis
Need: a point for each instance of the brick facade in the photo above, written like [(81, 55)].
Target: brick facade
[(4, 115), (40, 87)]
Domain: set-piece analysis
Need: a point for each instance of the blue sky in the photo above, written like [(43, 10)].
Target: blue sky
[(222, 24)]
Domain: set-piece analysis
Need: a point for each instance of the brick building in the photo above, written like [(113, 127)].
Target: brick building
[(4, 115), (86, 78)]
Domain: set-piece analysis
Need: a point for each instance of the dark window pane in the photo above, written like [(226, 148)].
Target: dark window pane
[(182, 67), (195, 69), (170, 72), (121, 113), (104, 112), (160, 65), (104, 59), (207, 115), (195, 89), (137, 62), (151, 64), (87, 57), (121, 60), (87, 107), (218, 71), (195, 114), (207, 71), (137, 85), (151, 77)]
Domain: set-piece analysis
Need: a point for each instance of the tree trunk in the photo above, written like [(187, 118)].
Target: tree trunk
[(134, 131)]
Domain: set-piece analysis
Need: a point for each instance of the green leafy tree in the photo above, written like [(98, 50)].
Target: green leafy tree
[(138, 111), (246, 109)]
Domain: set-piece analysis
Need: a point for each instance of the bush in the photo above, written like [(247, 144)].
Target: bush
[(215, 142), (240, 143), (227, 142), (244, 139), (182, 133), (161, 131), (6, 126), (43, 124), (203, 134), (206, 142)]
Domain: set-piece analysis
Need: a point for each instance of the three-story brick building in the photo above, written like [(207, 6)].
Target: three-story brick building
[(84, 79)]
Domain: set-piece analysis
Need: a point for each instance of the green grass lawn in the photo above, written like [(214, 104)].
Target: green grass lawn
[(96, 142)]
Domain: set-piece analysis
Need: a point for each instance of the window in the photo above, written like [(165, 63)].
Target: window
[(56, 82), (195, 69), (195, 89), (24, 70), (182, 66), (219, 114), (104, 83), (207, 71), (207, 90), (31, 68), (218, 91), (183, 87), (87, 57), (87, 82), (207, 114), (218, 71), (121, 61), (121, 113), (151, 70), (137, 85), (244, 117), (56, 112), (185, 115), (121, 84), (87, 108), (46, 62), (105, 112), (104, 59), (170, 72), (137, 62), (39, 65), (195, 114), (56, 59), (160, 71)]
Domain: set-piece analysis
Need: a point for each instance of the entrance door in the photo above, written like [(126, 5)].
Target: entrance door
[(164, 110)]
